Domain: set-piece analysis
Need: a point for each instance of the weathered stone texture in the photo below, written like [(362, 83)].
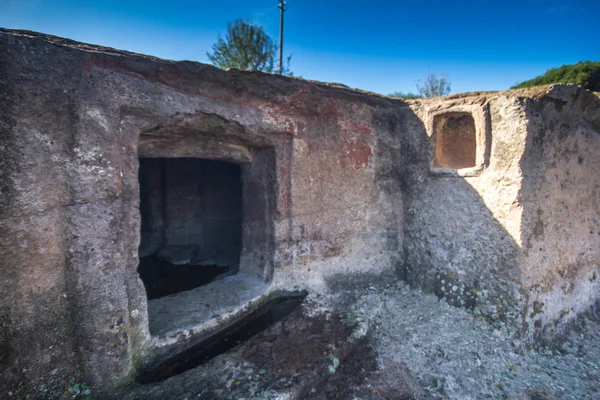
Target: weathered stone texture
[(456, 239), (336, 183), (517, 241), (37, 334), (319, 198), (560, 201)]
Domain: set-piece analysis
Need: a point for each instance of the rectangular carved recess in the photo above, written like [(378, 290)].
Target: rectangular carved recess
[(455, 141), (207, 204)]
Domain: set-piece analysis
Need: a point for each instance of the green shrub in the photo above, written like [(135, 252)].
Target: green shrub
[(584, 73)]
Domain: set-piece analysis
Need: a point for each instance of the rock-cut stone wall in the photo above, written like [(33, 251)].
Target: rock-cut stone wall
[(488, 200), (514, 237), (320, 195)]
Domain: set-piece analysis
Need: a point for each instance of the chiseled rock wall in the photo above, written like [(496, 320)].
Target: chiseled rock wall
[(461, 232), (337, 184), (516, 241), (320, 166), (560, 201)]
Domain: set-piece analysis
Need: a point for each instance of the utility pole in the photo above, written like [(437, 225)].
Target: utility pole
[(282, 10)]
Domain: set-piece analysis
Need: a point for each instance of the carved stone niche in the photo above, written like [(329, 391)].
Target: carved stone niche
[(460, 139)]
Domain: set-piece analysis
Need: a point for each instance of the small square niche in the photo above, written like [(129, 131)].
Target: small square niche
[(455, 138), (458, 135)]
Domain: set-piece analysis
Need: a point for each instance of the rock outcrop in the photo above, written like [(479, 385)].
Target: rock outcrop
[(489, 200)]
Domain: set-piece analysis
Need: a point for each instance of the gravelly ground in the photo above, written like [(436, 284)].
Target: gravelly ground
[(455, 356), (387, 342)]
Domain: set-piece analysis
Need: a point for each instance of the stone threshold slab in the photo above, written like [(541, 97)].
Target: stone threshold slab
[(180, 316)]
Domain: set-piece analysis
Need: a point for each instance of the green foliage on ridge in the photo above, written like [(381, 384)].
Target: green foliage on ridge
[(405, 95), (584, 73)]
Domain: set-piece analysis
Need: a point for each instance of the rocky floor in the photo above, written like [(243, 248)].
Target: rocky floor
[(455, 356), (388, 342)]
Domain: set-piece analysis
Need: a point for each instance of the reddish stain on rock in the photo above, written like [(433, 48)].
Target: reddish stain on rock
[(364, 129), (360, 154)]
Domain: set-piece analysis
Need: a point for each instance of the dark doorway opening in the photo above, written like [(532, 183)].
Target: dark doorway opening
[(191, 223)]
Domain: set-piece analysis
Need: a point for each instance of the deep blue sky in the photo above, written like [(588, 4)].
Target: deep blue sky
[(376, 45)]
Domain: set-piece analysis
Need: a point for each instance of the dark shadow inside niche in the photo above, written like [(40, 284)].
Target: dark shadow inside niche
[(455, 141), (191, 223)]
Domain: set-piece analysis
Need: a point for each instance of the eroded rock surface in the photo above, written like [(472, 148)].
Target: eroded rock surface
[(390, 342), (489, 201)]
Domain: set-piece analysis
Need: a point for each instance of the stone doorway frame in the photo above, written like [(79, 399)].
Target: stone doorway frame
[(265, 161), (257, 163)]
